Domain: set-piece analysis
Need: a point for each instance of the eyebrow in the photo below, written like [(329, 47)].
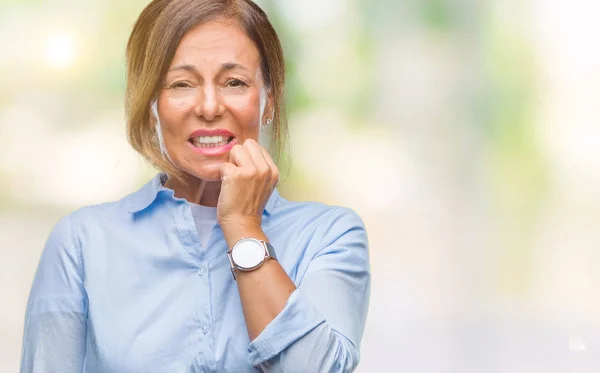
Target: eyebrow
[(227, 66)]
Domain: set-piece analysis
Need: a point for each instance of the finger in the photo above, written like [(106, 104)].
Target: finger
[(239, 156), (228, 170), (268, 158), (271, 163), (257, 156)]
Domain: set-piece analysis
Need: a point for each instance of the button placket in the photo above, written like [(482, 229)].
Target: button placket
[(205, 328)]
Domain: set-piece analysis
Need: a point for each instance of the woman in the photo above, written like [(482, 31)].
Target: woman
[(206, 268)]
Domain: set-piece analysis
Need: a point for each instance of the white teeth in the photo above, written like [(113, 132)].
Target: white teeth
[(210, 141)]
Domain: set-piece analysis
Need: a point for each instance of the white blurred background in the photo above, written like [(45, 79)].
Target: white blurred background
[(466, 133)]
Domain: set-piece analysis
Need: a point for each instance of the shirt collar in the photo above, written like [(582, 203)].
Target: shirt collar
[(144, 197)]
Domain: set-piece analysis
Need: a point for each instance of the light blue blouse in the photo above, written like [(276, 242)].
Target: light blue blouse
[(127, 286)]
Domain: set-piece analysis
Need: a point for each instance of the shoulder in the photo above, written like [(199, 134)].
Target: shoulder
[(319, 236), (73, 232), (92, 216), (316, 210), (328, 221), (98, 212)]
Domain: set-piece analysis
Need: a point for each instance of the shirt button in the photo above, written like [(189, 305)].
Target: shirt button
[(201, 271), (204, 328)]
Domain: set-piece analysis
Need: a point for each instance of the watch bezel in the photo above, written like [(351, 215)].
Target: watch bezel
[(269, 252), (238, 244)]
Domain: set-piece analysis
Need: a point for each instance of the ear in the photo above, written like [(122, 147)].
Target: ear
[(153, 118), (269, 112), (153, 111)]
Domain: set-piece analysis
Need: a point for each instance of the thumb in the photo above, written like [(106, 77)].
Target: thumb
[(227, 170)]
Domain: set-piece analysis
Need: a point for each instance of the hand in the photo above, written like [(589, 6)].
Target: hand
[(248, 180)]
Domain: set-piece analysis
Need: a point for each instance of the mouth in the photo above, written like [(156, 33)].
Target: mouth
[(209, 142), (212, 146)]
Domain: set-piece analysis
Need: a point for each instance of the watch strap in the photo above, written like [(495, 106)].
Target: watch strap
[(270, 250)]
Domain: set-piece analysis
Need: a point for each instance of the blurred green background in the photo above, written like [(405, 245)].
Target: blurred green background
[(465, 133)]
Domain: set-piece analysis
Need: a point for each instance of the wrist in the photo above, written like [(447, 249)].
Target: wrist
[(234, 229)]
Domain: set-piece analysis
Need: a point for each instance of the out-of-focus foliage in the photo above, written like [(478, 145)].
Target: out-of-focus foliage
[(464, 132)]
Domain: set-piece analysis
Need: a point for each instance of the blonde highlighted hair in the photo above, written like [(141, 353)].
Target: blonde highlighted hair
[(150, 50)]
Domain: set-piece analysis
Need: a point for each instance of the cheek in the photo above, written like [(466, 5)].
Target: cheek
[(246, 111), (172, 113)]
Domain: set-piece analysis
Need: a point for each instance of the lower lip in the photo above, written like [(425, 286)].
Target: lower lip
[(214, 151)]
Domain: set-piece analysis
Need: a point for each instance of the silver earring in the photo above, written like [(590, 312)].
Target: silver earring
[(268, 121)]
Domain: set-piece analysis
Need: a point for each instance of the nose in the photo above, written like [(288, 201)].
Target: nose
[(209, 103)]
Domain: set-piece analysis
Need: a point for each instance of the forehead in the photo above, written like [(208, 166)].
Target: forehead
[(216, 42)]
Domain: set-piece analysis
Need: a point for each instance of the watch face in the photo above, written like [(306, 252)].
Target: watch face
[(248, 253)]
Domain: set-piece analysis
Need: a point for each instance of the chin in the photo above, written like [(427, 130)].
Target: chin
[(208, 173)]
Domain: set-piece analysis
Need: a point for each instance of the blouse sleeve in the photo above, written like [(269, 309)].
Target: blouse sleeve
[(55, 319), (321, 325)]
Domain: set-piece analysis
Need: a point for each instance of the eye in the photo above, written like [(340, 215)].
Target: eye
[(236, 83), (180, 84)]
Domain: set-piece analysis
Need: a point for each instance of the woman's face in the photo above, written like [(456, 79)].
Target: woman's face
[(213, 97)]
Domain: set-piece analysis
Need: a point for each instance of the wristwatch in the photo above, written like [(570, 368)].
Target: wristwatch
[(249, 254)]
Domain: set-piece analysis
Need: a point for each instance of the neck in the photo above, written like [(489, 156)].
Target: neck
[(198, 191)]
